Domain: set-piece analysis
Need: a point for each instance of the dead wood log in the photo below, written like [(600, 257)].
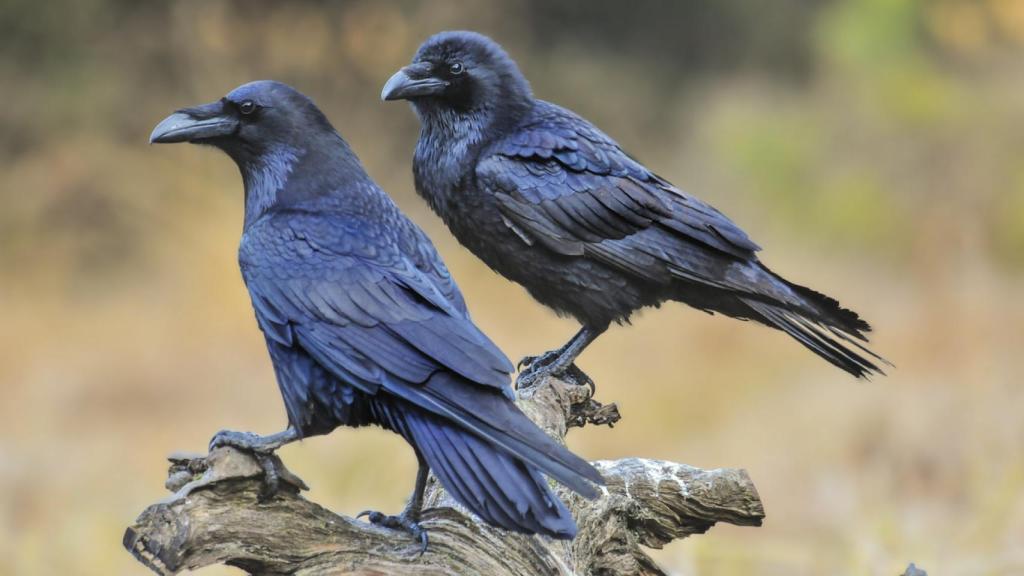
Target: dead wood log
[(216, 515)]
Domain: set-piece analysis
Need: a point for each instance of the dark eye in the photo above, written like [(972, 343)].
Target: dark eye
[(247, 107), (456, 68)]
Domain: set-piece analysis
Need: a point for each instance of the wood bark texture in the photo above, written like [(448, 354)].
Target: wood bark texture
[(216, 515)]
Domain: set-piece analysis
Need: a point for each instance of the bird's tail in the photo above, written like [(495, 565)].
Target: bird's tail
[(496, 486), (490, 456), (819, 322)]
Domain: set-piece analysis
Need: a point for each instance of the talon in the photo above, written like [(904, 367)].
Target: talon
[(538, 361), (218, 440), (374, 517), (399, 522), (527, 379), (580, 378), (271, 477), (423, 539), (241, 440), (533, 374)]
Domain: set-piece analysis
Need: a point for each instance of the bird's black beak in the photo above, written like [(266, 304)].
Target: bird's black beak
[(413, 81), (195, 124)]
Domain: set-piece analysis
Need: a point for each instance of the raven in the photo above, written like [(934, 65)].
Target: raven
[(547, 200), (363, 322)]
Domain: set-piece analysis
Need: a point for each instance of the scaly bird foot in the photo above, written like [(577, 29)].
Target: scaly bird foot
[(533, 369), (403, 521), (539, 360), (538, 370), (574, 375), (262, 449)]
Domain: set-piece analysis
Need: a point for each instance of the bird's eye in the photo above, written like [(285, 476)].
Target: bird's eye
[(247, 107), (456, 68)]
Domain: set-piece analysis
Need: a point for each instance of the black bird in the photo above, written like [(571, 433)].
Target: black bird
[(363, 322), (549, 201)]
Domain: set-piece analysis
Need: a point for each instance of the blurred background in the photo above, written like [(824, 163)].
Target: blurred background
[(874, 147)]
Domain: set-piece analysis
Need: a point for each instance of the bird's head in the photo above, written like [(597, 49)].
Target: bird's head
[(251, 121), (465, 72), (276, 136)]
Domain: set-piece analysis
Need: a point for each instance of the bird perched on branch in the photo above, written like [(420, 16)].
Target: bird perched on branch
[(547, 200), (365, 325)]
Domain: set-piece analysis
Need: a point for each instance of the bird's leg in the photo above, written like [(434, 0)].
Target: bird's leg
[(542, 359), (262, 448), (550, 356), (409, 519), (561, 362)]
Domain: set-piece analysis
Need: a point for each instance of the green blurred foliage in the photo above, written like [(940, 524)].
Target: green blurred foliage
[(1008, 216), (874, 147)]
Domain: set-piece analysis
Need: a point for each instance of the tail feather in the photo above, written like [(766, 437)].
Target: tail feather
[(832, 313), (497, 420), (815, 320), (487, 454), (823, 334), (499, 488), (462, 479)]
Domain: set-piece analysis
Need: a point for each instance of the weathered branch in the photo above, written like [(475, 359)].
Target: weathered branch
[(216, 516)]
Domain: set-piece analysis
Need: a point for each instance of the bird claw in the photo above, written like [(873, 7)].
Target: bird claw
[(577, 377), (539, 360), (247, 441), (532, 369), (261, 450), (537, 370), (528, 378), (398, 522)]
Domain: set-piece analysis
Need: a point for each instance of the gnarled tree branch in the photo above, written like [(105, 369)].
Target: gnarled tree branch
[(216, 516)]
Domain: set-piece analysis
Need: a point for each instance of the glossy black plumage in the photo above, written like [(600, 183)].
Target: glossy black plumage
[(365, 325), (551, 202)]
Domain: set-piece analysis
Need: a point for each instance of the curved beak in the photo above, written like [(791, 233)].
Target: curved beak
[(413, 81), (195, 124)]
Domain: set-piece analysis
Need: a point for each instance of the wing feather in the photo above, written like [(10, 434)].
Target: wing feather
[(561, 181), (370, 317)]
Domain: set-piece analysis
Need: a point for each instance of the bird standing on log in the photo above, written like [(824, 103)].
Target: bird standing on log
[(549, 201), (365, 325)]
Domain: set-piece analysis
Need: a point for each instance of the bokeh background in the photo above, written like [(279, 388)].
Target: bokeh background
[(874, 147)]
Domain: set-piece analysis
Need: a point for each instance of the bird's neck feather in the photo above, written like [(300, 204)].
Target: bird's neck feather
[(324, 170), (450, 143), (265, 176)]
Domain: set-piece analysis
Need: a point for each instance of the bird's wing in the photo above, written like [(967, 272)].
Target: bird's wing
[(428, 261), (344, 291), (561, 182)]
